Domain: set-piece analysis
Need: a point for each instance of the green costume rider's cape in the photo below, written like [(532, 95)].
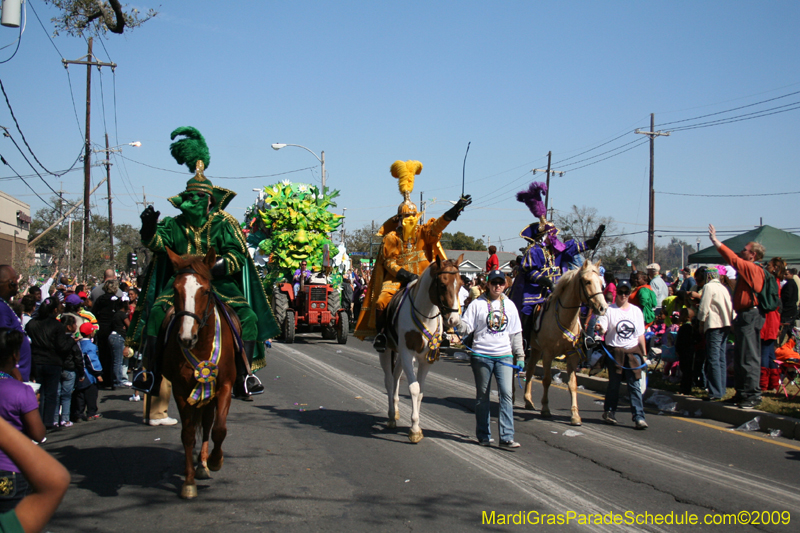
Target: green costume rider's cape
[(241, 287)]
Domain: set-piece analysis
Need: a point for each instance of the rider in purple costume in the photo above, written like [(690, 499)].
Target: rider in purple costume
[(545, 257)]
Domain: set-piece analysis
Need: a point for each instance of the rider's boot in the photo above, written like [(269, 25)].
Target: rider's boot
[(380, 339), (247, 384), (148, 379)]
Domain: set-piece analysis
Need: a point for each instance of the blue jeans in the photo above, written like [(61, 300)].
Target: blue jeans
[(716, 364), (483, 369), (117, 344), (50, 378), (65, 394), (612, 392)]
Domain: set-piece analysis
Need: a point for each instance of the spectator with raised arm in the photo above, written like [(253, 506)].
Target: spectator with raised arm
[(749, 320)]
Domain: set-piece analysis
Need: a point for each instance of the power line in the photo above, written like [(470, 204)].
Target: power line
[(3, 159), (217, 177), (728, 195), (19, 41), (728, 110), (738, 118)]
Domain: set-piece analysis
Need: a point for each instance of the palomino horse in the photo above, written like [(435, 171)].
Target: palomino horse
[(560, 331), (199, 361), (424, 310)]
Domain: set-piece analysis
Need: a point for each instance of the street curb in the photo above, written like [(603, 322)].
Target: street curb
[(729, 414)]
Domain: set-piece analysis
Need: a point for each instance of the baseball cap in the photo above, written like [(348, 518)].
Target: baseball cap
[(495, 274), (654, 266), (73, 299), (624, 286), (83, 294), (87, 328)]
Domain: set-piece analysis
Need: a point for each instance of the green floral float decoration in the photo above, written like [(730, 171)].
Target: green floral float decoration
[(290, 224)]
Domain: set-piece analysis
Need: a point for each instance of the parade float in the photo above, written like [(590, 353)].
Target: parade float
[(290, 223)]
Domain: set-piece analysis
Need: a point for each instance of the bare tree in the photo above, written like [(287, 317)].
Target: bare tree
[(95, 17), (581, 223)]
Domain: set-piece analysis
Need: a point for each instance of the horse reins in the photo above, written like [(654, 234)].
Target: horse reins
[(440, 305)]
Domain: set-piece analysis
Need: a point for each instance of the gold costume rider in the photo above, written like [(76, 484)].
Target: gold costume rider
[(407, 250)]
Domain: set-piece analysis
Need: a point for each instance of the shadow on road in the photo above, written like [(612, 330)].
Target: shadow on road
[(356, 424)]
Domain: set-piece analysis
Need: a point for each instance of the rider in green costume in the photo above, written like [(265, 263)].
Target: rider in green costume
[(201, 225)]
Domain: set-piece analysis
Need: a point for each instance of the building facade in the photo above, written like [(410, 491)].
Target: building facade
[(15, 223)]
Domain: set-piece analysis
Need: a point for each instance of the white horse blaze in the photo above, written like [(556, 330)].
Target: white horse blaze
[(190, 288)]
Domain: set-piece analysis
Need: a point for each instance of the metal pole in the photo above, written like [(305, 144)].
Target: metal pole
[(87, 161), (547, 194), (322, 160), (651, 245), (108, 182)]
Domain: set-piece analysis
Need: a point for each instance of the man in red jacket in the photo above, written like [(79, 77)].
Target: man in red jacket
[(749, 320)]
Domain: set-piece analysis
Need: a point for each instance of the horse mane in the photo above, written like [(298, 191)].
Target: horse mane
[(561, 286), (195, 262)]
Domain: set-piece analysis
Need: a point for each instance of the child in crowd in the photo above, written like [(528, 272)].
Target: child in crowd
[(71, 368), (18, 406), (85, 399)]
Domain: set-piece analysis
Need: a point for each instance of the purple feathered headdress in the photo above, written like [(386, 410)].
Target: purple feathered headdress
[(533, 198)]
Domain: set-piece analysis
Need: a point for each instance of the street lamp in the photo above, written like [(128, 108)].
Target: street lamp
[(278, 146)]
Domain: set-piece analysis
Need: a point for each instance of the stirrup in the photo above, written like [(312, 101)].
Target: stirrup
[(379, 343), (143, 381), (253, 385)]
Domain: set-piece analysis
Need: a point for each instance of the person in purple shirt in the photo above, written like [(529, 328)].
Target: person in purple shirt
[(18, 407), (9, 319)]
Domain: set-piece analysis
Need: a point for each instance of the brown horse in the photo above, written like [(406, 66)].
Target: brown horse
[(560, 331), (199, 361)]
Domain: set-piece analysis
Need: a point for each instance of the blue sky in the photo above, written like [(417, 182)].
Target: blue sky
[(372, 82)]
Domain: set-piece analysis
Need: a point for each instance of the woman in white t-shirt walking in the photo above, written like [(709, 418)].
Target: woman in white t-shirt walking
[(623, 326), (496, 338)]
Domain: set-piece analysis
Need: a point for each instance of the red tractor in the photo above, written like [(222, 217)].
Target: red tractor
[(316, 304)]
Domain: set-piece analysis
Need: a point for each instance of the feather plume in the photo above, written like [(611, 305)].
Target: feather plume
[(532, 197), (191, 149), (405, 171)]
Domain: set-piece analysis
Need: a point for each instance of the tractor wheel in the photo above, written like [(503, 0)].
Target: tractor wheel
[(280, 303), (343, 328), (288, 327), (328, 333), (334, 302)]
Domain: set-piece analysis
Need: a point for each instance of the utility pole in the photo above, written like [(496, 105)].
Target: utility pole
[(89, 60), (651, 244), (421, 207), (548, 171), (108, 183)]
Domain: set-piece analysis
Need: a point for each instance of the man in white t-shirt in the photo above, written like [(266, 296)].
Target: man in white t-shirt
[(623, 326), (493, 332)]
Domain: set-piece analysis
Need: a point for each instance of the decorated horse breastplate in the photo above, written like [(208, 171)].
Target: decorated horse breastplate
[(205, 371)]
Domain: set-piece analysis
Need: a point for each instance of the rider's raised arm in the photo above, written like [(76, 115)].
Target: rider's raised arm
[(162, 239)]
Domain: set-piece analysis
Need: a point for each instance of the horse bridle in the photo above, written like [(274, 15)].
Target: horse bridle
[(201, 323), (583, 293), (440, 305)]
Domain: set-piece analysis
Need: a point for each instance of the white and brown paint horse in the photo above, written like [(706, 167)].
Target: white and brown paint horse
[(560, 331), (426, 309)]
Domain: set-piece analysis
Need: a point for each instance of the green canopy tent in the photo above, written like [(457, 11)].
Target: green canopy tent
[(778, 243)]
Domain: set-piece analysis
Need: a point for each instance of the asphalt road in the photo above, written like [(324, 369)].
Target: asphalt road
[(314, 454)]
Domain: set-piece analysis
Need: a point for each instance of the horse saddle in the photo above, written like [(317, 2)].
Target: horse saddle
[(390, 315), (538, 313)]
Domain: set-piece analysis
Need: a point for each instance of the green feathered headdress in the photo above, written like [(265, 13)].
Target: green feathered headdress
[(192, 151)]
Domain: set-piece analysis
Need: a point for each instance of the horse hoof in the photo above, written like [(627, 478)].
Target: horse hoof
[(201, 472), (576, 422), (415, 437), (529, 406), (391, 424), (397, 415), (213, 465), (546, 413), (189, 492)]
